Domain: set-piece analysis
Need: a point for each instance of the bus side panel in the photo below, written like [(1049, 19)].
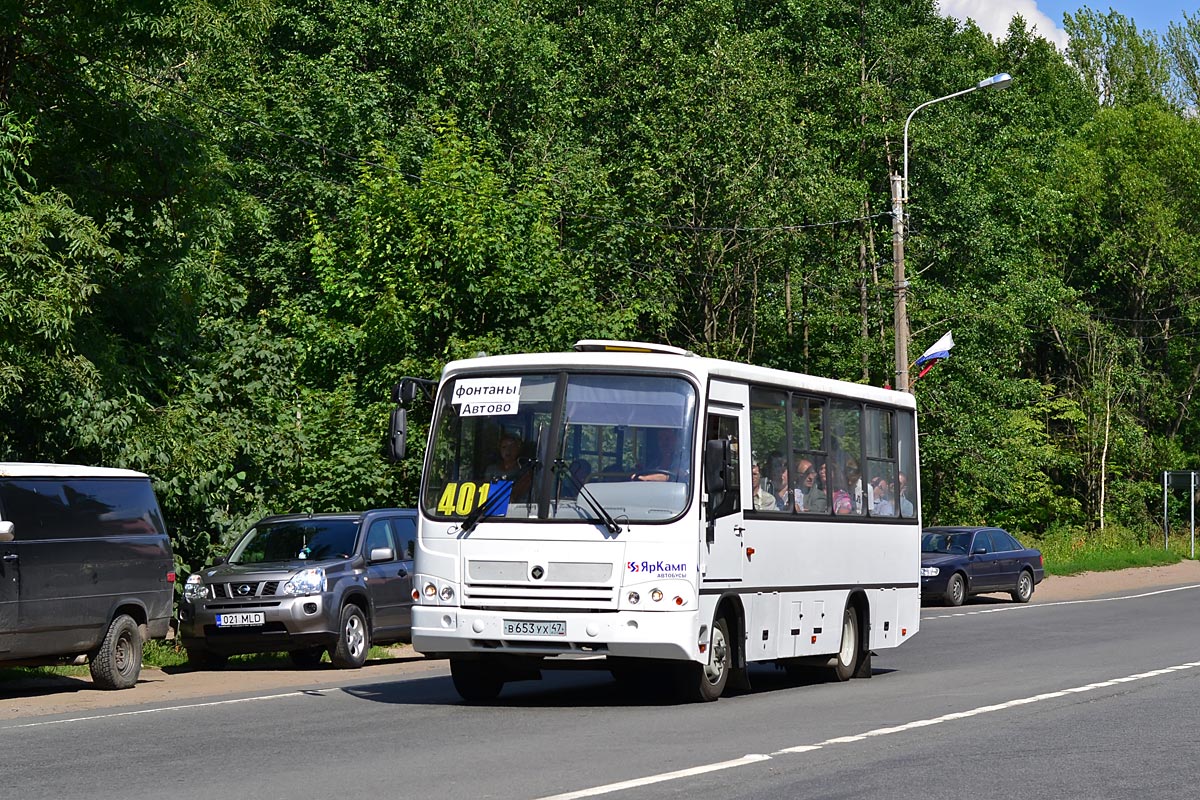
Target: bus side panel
[(885, 613), (762, 636)]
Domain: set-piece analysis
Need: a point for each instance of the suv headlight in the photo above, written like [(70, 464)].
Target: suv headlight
[(306, 581), (195, 589)]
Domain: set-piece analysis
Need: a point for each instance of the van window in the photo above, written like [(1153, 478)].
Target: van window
[(50, 508)]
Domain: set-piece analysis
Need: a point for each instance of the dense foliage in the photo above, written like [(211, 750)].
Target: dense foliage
[(227, 227)]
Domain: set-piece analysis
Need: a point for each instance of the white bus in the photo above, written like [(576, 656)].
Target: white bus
[(652, 511)]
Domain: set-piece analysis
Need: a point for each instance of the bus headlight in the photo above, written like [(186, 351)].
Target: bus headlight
[(634, 598), (447, 593), (656, 595), (429, 590)]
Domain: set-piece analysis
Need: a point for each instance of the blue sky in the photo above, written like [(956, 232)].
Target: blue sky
[(993, 15)]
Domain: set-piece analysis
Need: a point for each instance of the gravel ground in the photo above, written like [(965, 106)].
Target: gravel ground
[(179, 686)]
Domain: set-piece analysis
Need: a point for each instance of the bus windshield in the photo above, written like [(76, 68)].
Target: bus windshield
[(522, 445)]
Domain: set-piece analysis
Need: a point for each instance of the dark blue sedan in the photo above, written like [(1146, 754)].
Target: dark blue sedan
[(959, 562)]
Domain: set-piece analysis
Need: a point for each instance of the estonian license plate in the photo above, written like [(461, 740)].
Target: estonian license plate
[(534, 627), (240, 620)]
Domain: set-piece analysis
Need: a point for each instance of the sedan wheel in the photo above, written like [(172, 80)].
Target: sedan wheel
[(1024, 589), (956, 590)]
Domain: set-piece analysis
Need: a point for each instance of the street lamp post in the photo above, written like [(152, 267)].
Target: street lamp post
[(899, 187)]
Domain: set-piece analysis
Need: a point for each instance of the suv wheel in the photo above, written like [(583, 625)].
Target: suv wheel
[(354, 639)]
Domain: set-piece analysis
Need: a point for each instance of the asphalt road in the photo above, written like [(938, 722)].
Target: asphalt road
[(1092, 699)]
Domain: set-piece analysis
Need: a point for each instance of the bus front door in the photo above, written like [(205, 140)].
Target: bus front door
[(724, 527)]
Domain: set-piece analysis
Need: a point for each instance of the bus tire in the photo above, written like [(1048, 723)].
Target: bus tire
[(845, 663), (703, 683), (477, 680)]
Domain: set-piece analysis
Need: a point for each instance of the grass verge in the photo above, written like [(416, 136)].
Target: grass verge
[(1107, 560), (159, 654)]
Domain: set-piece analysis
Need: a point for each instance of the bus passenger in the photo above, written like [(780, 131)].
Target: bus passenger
[(509, 464), (883, 506), (666, 460), (906, 505), (764, 500), (812, 497), (839, 499)]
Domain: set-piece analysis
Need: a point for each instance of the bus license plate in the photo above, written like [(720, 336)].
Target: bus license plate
[(240, 620), (534, 627)]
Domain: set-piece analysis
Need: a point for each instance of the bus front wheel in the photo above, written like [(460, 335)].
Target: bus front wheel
[(477, 680), (706, 682), (846, 661)]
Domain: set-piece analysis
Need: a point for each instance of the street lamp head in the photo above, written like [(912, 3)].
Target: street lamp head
[(995, 82)]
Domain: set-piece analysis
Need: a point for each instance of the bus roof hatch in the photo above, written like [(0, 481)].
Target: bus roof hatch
[(612, 346)]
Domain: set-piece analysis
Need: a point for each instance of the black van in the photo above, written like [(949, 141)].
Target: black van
[(85, 568)]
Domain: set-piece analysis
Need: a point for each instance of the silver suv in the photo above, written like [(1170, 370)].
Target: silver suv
[(307, 584)]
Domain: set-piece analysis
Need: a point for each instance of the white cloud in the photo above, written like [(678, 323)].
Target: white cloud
[(993, 16)]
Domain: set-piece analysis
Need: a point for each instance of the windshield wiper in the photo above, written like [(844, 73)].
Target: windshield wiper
[(496, 498), (561, 468)]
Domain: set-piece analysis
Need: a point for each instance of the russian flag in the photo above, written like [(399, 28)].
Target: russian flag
[(938, 352)]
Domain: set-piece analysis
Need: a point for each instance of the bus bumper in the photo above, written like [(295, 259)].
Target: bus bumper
[(443, 630)]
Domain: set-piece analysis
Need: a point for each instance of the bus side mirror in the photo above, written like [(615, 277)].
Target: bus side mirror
[(717, 463), (397, 434), (410, 388)]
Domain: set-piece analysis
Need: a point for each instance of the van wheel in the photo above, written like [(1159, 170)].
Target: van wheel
[(477, 680), (205, 659), (354, 640), (117, 662), (846, 661), (308, 657), (704, 683)]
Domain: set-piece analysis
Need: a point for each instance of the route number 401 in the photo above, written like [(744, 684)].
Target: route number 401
[(460, 499)]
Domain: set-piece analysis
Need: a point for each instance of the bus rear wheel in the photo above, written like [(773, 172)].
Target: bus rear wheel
[(845, 663), (477, 680), (704, 683)]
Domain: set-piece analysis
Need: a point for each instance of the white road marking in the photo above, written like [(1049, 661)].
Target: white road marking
[(189, 706), (636, 783), (920, 723)]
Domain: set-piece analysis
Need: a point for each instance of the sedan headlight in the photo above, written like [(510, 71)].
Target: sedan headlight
[(929, 572), (195, 589), (306, 581)]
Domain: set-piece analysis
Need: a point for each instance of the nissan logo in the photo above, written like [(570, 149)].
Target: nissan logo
[(245, 589), (537, 573)]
